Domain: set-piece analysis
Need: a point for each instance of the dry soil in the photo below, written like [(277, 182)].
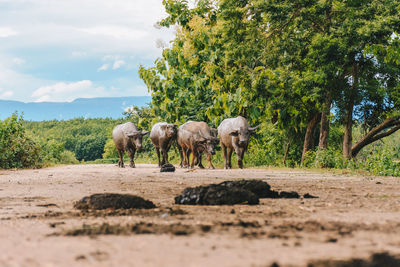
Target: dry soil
[(354, 217)]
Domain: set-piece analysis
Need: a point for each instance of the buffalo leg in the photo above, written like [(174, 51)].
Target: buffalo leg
[(185, 162), (240, 159), (164, 156), (199, 156), (121, 158), (158, 155), (187, 153), (193, 158), (131, 153), (230, 150), (181, 155)]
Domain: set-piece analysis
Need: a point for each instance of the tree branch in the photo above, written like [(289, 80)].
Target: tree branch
[(376, 134), (380, 136)]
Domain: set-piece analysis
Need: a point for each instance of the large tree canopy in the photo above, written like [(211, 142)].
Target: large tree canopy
[(285, 62)]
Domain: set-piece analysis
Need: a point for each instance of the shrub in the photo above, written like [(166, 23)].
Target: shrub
[(68, 157), (90, 147), (110, 151), (16, 149), (380, 162), (329, 158)]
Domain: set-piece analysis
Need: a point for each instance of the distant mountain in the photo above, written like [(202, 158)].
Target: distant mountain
[(102, 107)]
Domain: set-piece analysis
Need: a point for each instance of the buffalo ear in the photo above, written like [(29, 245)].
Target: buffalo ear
[(144, 132), (234, 133)]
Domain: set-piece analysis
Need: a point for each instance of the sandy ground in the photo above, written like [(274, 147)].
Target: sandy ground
[(353, 217)]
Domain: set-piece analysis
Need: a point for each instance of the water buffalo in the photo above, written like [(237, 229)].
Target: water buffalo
[(127, 137), (162, 135), (214, 133), (194, 137), (234, 134)]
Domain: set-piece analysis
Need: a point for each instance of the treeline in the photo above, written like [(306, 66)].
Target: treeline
[(321, 77), (315, 74), (26, 144), (85, 138)]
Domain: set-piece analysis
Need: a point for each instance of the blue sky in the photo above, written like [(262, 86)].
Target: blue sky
[(60, 50)]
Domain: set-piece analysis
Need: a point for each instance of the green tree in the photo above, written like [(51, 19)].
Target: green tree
[(17, 150), (285, 62)]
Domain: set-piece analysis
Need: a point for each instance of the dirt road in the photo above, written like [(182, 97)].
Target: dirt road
[(353, 217)]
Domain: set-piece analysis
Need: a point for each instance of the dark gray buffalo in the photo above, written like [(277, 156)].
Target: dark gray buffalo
[(214, 133), (195, 137), (162, 135), (127, 137), (234, 134)]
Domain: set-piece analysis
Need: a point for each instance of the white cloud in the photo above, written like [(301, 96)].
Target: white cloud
[(98, 27), (62, 87), (5, 94), (7, 32), (115, 62), (103, 67), (118, 64), (65, 91), (66, 41)]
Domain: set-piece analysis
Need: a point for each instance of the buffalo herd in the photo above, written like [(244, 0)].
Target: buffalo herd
[(192, 138)]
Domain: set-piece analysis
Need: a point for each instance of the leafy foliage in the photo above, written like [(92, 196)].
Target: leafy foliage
[(90, 147), (83, 137), (17, 150)]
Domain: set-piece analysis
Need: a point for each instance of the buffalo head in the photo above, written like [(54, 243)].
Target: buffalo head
[(136, 138)]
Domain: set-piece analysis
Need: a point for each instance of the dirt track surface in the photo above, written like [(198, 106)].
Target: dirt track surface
[(353, 217)]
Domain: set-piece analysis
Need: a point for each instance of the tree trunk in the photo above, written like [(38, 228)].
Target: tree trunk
[(348, 131), (348, 120), (324, 128), (286, 152), (309, 137), (376, 133)]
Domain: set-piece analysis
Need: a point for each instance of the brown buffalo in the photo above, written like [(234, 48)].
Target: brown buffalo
[(194, 137), (162, 135), (127, 137), (234, 134)]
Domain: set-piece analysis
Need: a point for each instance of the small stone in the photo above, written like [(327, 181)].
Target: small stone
[(167, 168)]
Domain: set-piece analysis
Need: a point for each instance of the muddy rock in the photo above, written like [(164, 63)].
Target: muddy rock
[(167, 168), (216, 194), (377, 259), (258, 187), (307, 195), (232, 192), (225, 193), (113, 201), (292, 194)]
